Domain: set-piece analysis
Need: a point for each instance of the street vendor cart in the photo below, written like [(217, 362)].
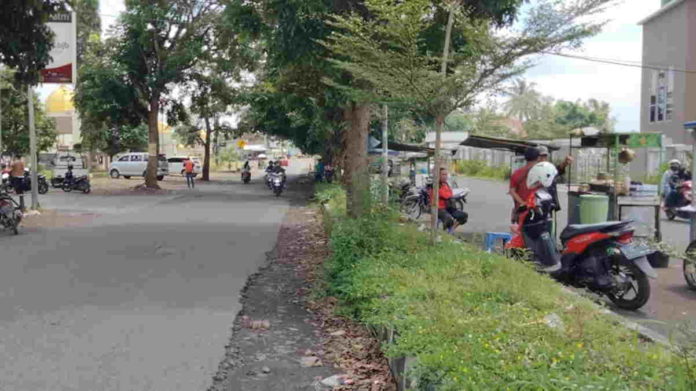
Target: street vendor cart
[(609, 194)]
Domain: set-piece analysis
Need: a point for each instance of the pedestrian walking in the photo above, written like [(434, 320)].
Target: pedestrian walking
[(188, 169), (17, 178)]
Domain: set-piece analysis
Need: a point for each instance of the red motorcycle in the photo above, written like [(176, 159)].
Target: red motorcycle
[(599, 257), (678, 210)]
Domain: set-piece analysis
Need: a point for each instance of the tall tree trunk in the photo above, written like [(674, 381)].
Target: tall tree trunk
[(153, 144), (356, 175), (216, 146), (440, 120), (206, 158)]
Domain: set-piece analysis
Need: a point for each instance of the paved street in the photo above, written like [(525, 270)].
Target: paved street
[(140, 295), (671, 301)]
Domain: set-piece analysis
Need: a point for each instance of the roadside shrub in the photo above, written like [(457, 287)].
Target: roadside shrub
[(480, 169), (479, 321)]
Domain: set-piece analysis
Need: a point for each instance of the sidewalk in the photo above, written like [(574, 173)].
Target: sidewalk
[(286, 339)]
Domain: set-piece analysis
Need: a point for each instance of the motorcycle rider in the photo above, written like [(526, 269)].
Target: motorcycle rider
[(451, 217), (69, 177), (674, 175), (537, 226), (518, 181)]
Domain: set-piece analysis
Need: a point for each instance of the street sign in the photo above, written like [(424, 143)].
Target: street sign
[(62, 69), (241, 143)]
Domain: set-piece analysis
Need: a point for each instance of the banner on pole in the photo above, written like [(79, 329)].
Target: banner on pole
[(62, 68)]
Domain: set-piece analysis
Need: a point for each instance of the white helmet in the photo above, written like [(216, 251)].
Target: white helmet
[(542, 173)]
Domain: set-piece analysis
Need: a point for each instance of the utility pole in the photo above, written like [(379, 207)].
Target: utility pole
[(385, 156), (32, 150)]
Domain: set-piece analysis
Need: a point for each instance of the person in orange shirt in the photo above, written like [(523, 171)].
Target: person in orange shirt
[(451, 217), (188, 169)]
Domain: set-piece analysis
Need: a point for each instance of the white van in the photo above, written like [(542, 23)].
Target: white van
[(135, 164), (176, 164)]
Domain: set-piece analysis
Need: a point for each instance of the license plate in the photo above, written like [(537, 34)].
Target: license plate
[(633, 252)]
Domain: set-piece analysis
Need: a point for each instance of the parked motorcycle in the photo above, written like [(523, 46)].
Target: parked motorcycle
[(10, 213), (26, 182), (684, 200), (417, 200), (599, 257), (246, 176), (80, 183), (277, 183)]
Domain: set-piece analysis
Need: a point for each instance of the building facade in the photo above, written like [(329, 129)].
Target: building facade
[(668, 92)]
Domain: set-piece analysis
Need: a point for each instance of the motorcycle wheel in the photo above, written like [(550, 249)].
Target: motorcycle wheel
[(689, 266), (86, 188), (277, 192), (412, 209), (43, 188), (639, 285), (67, 188), (670, 214), (459, 205)]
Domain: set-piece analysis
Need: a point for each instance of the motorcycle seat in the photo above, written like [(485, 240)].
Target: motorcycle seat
[(579, 229)]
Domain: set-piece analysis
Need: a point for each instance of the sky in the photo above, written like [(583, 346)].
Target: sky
[(563, 78)]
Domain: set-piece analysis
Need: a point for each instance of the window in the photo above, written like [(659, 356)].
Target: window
[(661, 106), (123, 159), (136, 158), (175, 160)]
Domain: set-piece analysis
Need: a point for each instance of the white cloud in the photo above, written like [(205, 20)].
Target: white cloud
[(573, 79)]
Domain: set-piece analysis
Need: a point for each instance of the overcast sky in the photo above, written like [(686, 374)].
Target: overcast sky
[(563, 78)]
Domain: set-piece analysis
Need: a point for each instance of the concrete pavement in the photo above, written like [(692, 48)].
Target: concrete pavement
[(140, 297)]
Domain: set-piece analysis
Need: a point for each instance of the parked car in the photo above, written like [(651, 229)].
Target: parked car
[(176, 164), (135, 164)]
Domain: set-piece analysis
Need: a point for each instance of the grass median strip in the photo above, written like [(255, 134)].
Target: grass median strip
[(475, 320)]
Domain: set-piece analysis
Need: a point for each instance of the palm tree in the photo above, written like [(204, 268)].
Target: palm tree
[(524, 101)]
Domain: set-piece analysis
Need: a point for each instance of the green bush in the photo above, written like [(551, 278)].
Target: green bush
[(480, 169), (476, 321)]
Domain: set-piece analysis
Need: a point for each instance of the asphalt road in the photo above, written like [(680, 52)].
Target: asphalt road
[(140, 295), (671, 302)]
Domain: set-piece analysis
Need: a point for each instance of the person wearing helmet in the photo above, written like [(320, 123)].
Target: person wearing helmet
[(537, 225), (671, 179), (518, 181)]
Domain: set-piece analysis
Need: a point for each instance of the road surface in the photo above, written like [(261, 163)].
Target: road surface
[(671, 301), (140, 295)]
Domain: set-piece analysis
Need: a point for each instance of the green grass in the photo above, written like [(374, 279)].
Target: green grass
[(479, 169), (475, 321)]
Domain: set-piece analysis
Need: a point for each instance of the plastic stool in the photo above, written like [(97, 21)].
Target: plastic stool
[(492, 237)]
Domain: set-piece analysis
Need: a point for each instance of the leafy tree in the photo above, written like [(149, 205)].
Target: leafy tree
[(15, 134), (25, 40), (523, 100), (111, 112), (88, 25), (385, 53), (556, 119), (159, 42)]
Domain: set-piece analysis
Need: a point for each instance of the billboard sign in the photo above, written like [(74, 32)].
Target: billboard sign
[(62, 68)]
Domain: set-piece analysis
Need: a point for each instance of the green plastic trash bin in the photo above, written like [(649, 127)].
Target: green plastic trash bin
[(594, 208)]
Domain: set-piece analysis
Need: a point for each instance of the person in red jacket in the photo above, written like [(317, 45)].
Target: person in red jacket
[(450, 217)]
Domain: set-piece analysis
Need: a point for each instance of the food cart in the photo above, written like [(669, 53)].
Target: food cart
[(623, 195)]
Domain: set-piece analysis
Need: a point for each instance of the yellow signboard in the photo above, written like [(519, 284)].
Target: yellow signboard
[(241, 143)]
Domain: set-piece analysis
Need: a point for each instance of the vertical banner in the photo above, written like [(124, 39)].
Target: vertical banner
[(62, 68)]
